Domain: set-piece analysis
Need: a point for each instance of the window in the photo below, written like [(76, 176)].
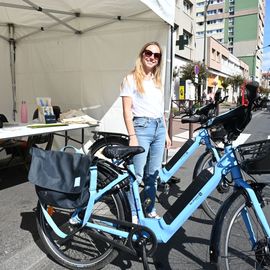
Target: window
[(230, 50), (199, 14), (188, 37), (230, 41), (199, 33), (218, 57), (230, 31), (212, 12), (201, 4), (187, 7), (231, 21), (231, 10)]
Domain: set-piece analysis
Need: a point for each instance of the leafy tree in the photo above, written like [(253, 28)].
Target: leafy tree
[(187, 73), (236, 81), (225, 83), (264, 91)]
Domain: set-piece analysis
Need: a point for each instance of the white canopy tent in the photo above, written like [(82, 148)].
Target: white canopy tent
[(77, 52)]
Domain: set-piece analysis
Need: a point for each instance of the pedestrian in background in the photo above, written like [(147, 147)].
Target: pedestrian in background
[(143, 110)]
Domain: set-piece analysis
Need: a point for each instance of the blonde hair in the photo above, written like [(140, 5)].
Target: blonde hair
[(138, 71)]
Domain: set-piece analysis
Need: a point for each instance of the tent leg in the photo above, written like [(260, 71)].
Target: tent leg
[(12, 50)]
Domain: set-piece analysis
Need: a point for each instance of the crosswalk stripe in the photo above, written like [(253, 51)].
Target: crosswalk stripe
[(241, 139), (268, 137), (183, 136)]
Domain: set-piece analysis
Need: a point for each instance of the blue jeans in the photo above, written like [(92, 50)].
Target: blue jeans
[(151, 135)]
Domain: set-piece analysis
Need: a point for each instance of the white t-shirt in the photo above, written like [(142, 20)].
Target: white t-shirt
[(148, 104)]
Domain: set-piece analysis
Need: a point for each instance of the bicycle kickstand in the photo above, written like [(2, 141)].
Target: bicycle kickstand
[(143, 255)]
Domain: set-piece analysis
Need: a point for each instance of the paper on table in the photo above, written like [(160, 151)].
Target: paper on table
[(78, 117)]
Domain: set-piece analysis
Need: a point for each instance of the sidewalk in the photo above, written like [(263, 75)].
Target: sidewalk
[(180, 132)]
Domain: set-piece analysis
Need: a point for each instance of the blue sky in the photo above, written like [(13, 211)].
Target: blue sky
[(266, 51)]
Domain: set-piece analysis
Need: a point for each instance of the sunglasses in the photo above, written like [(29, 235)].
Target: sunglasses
[(149, 53)]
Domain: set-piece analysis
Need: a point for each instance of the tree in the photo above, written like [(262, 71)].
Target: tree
[(236, 81), (187, 73), (225, 83)]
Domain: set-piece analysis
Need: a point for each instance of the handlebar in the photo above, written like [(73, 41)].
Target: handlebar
[(202, 114)]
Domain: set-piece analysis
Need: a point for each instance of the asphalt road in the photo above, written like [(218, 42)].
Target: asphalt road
[(20, 247)]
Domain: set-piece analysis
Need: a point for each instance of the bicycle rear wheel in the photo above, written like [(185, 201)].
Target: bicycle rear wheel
[(81, 250), (235, 248), (213, 202)]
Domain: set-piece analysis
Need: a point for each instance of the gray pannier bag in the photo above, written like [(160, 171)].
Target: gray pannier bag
[(61, 178)]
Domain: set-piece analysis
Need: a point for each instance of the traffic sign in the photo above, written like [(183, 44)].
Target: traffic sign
[(196, 69)]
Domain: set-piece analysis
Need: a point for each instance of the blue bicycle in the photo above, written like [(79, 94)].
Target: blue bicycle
[(206, 159), (90, 235)]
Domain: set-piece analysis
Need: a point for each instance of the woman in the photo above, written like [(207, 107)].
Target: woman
[(143, 105)]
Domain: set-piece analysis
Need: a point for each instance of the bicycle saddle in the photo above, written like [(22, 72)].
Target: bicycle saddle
[(122, 152)]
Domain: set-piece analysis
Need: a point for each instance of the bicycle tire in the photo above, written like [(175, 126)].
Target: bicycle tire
[(82, 251), (234, 248), (96, 148), (213, 202)]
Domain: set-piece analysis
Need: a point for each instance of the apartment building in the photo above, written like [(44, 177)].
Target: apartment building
[(219, 61), (221, 64), (238, 24)]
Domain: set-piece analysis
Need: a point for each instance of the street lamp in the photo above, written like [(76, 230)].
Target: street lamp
[(206, 5), (253, 64)]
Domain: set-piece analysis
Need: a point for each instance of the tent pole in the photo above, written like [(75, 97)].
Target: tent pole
[(12, 50), (168, 74), (40, 9), (168, 82), (41, 29)]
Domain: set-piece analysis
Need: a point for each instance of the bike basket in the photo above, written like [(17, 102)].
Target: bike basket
[(61, 178), (255, 157)]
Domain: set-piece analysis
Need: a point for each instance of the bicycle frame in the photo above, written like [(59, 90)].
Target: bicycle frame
[(184, 206), (184, 153)]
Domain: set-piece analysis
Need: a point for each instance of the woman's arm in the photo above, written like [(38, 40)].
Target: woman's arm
[(128, 118)]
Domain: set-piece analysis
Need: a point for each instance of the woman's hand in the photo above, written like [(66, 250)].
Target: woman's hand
[(168, 142), (133, 141)]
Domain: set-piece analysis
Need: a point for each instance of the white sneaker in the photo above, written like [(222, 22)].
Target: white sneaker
[(153, 215), (135, 219)]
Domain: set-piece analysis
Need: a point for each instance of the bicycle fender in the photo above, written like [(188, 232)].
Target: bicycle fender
[(110, 175)]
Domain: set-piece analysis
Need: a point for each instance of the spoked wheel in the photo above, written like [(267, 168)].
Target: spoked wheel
[(213, 202), (235, 248), (81, 250)]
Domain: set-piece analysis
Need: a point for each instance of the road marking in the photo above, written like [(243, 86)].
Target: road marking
[(268, 138), (183, 136), (241, 139)]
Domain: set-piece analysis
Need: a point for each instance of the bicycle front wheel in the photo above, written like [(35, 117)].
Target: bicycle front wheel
[(235, 248), (213, 202), (81, 250)]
